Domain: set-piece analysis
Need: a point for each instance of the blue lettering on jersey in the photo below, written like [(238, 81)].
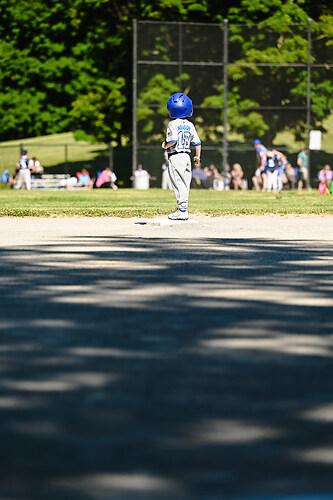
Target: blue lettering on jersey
[(184, 127)]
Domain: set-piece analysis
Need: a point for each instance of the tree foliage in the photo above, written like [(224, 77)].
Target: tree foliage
[(66, 65), (267, 75)]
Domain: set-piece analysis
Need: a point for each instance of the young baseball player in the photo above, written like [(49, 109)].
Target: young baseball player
[(273, 161), (180, 134)]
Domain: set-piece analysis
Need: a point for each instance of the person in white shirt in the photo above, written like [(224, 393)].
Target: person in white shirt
[(140, 172), (36, 168), (181, 133), (166, 183), (141, 178)]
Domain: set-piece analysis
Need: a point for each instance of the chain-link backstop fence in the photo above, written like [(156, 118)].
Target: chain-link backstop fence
[(272, 82)]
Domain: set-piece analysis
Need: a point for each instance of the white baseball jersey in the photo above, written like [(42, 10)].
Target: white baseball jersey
[(183, 132), (24, 162)]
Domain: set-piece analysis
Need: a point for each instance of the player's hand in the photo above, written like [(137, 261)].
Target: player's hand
[(196, 160)]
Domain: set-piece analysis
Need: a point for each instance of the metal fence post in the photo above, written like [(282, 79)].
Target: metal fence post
[(225, 93), (111, 157), (66, 158), (180, 56), (308, 103), (134, 104)]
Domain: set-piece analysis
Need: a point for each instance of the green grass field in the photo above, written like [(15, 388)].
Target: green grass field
[(154, 202)]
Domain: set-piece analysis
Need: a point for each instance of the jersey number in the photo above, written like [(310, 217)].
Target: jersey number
[(184, 139)]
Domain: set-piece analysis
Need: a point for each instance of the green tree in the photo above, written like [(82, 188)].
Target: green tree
[(276, 41), (66, 65), (56, 57)]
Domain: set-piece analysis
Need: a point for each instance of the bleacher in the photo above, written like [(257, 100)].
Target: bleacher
[(53, 182)]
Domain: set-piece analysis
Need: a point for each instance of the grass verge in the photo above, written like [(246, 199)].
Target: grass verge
[(154, 202)]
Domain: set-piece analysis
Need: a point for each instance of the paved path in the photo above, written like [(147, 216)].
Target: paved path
[(187, 362)]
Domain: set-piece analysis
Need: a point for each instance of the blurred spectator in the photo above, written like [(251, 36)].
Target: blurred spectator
[(84, 178), (325, 176), (23, 176), (166, 183), (106, 179), (322, 188), (281, 169), (141, 178), (218, 183), (257, 180), (289, 177), (36, 168), (72, 182), (4, 177), (140, 172), (226, 176), (13, 178), (237, 175), (208, 182), (198, 177), (302, 163)]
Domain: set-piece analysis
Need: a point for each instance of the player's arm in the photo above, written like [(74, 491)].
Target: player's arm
[(167, 145), (171, 137), (282, 156), (197, 154)]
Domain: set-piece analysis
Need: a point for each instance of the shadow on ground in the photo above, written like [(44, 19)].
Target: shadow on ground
[(146, 369)]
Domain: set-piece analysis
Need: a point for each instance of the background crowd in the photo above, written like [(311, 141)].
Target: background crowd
[(27, 170), (273, 172)]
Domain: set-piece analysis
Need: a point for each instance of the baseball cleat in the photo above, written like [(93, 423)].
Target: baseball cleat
[(179, 215)]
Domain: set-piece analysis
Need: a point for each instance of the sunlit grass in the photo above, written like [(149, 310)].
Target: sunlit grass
[(154, 202)]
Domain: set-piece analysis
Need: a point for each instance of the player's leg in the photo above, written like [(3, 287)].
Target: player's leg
[(27, 179), (173, 176), (280, 181), (305, 178), (183, 176), (300, 181), (264, 181), (18, 184), (255, 182), (269, 180), (180, 176), (275, 182)]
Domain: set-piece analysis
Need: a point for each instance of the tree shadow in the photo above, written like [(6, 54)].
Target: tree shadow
[(145, 368)]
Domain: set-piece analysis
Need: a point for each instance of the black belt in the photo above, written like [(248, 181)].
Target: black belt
[(178, 153)]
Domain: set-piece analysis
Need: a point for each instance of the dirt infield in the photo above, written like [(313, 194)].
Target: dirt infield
[(181, 362), (294, 227)]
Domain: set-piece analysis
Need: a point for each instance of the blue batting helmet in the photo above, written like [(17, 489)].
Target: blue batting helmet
[(179, 106), (256, 141), (24, 151)]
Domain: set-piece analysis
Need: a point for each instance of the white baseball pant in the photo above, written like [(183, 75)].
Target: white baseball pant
[(23, 176), (272, 178), (180, 176)]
